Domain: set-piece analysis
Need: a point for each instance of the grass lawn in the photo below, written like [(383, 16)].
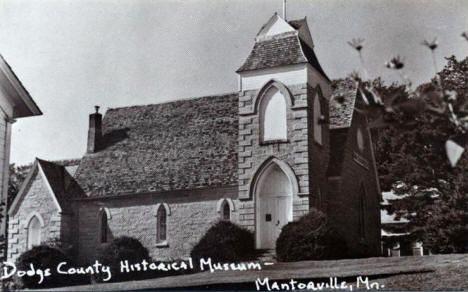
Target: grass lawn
[(439, 272), (447, 277)]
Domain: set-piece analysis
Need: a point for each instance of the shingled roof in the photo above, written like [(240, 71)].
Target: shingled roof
[(281, 50), (341, 106), (274, 52), (342, 103), (184, 144)]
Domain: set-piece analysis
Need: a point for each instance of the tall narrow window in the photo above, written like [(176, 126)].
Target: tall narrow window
[(320, 199), (317, 120), (34, 232), (104, 227), (161, 224), (273, 116), (362, 212), (226, 211), (360, 139)]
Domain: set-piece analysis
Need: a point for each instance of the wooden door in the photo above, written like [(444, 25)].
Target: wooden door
[(274, 214)]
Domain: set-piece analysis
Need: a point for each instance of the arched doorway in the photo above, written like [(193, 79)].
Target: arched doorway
[(273, 192)]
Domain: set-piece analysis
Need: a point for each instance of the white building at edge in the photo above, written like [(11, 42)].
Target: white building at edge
[(15, 103)]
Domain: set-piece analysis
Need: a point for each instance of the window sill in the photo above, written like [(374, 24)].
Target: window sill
[(162, 244), (269, 142)]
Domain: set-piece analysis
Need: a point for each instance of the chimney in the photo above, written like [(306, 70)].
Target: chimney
[(95, 131)]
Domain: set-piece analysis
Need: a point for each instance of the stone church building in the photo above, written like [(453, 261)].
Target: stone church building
[(261, 157)]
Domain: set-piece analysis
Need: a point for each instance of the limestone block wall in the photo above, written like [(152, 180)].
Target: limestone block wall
[(319, 154), (37, 199), (307, 159), (190, 215)]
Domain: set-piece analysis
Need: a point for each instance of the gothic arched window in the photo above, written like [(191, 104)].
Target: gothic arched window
[(273, 116), (161, 224), (34, 232), (226, 211), (104, 227), (317, 120)]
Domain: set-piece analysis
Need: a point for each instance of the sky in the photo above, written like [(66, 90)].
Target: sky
[(72, 55)]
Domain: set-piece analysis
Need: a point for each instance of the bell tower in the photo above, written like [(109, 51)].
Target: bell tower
[(283, 113)]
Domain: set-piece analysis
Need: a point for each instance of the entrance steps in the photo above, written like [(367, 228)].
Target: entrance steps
[(266, 255)]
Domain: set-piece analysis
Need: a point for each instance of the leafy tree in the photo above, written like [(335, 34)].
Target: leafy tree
[(412, 150), (17, 176)]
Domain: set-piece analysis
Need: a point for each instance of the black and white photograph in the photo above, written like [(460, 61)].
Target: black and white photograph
[(256, 145)]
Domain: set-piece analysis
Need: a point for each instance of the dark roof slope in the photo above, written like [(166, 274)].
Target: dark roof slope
[(297, 23), (184, 144), (312, 58), (342, 103), (54, 174), (59, 180)]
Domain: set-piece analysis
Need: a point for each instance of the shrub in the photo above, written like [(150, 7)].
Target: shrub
[(310, 238), (55, 242), (43, 257), (121, 249), (225, 242)]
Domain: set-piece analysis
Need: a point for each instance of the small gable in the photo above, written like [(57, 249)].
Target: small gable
[(34, 196), (35, 216), (275, 26), (51, 179)]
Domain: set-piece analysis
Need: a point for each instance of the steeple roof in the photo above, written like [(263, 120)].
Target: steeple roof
[(281, 43)]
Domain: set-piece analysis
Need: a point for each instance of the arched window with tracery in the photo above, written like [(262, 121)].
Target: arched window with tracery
[(34, 232), (317, 120), (273, 115), (161, 224)]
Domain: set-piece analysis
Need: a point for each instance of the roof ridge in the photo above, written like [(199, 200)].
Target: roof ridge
[(61, 162), (278, 36), (173, 101)]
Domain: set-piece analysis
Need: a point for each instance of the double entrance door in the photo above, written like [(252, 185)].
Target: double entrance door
[(274, 211)]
